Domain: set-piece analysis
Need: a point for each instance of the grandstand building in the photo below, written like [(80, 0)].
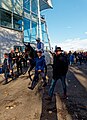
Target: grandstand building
[(21, 21)]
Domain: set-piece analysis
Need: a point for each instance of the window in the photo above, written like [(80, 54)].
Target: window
[(18, 7), (6, 4), (17, 22), (5, 18), (34, 6), (30, 30), (44, 33), (26, 30), (34, 30), (26, 5)]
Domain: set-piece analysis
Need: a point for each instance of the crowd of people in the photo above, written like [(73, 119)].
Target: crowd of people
[(19, 60), (14, 59), (61, 61), (77, 57)]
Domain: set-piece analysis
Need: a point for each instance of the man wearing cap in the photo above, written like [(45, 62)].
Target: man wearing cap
[(60, 68), (39, 69), (40, 45)]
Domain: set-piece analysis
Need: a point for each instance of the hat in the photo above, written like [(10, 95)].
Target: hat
[(58, 49), (38, 39)]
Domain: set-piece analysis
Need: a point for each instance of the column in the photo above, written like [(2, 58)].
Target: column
[(39, 21)]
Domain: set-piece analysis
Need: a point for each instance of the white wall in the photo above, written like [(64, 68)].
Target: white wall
[(9, 38)]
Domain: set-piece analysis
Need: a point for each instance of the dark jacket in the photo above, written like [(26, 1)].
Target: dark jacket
[(60, 65), (5, 65), (11, 56)]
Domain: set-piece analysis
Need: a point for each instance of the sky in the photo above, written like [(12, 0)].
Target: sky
[(67, 24)]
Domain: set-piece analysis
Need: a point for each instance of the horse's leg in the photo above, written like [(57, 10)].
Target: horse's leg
[(31, 68), (45, 70)]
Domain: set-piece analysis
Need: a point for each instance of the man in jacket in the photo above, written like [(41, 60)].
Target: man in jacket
[(60, 68), (39, 69), (6, 68), (11, 58)]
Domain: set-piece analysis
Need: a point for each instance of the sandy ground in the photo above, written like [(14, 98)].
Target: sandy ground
[(17, 102)]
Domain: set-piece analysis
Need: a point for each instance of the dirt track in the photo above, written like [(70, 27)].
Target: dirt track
[(17, 102)]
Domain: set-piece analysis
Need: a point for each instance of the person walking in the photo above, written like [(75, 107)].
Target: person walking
[(5, 68), (80, 56), (71, 59), (39, 69), (19, 63), (11, 57), (60, 68)]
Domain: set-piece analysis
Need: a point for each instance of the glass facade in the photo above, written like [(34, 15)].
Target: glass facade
[(12, 5), (22, 15), (11, 14), (30, 20)]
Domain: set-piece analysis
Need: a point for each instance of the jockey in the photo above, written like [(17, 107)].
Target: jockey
[(40, 45)]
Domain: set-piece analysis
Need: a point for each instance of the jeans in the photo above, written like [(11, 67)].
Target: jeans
[(36, 77), (6, 75), (53, 83), (19, 67)]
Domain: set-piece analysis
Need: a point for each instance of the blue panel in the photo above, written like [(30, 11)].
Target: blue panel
[(44, 33), (26, 6), (29, 37), (34, 28), (26, 23), (26, 30), (34, 6)]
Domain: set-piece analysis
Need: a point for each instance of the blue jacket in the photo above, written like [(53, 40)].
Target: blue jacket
[(40, 63), (72, 58), (40, 45)]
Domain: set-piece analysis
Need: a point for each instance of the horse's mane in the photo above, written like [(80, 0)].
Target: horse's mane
[(29, 48)]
